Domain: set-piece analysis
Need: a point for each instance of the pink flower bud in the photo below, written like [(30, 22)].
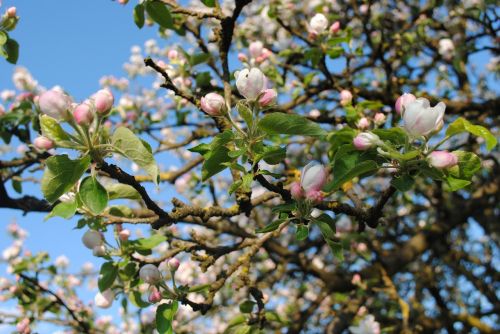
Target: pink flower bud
[(345, 97), (99, 251), (54, 104), (2, 110), (313, 177), (366, 140), (103, 101), (173, 54), (124, 235), (104, 299), (173, 264), (11, 12), (92, 239), (242, 57), (314, 196), (296, 190), (379, 118), (403, 101), (154, 296), (420, 119), (266, 53), (268, 97), (255, 49), (150, 274), (356, 279), (23, 326), (363, 123), (442, 159), (250, 83), (43, 143), (335, 27), (83, 114), (212, 104)]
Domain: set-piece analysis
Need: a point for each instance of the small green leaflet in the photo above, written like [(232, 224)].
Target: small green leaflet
[(93, 195), (462, 125), (65, 210), (165, 316), (107, 276), (289, 124), (271, 227)]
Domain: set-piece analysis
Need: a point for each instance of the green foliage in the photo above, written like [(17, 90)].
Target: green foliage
[(289, 124), (139, 15), (148, 243), (52, 129), (159, 13), (164, 317), (93, 195), (208, 3), (120, 190), (247, 306), (326, 225), (65, 210), (302, 232), (270, 227), (107, 276), (461, 125), (61, 174)]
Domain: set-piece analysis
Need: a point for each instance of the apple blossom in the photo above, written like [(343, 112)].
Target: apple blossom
[(150, 274), (363, 123), (99, 251), (173, 54), (366, 140), (23, 326), (268, 97), (403, 101), (92, 239), (103, 101), (154, 295), (345, 97), (104, 299), (442, 159), (314, 196), (43, 143), (335, 27), (213, 104), (313, 177), (54, 103), (318, 23), (446, 48), (11, 12), (124, 235), (255, 49), (250, 83), (173, 264), (367, 325), (83, 114), (296, 190), (379, 118), (420, 119)]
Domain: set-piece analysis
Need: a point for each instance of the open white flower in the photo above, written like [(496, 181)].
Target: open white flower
[(420, 119), (366, 326)]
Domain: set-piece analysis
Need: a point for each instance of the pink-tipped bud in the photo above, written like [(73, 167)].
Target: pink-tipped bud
[(403, 101), (242, 57), (99, 251), (124, 235), (173, 264), (173, 54), (213, 104), (379, 118), (442, 159), (356, 279), (103, 101), (23, 326), (313, 177), (335, 27), (345, 97), (154, 296), (255, 49), (43, 143), (314, 196), (366, 140), (92, 239), (150, 274), (363, 123), (296, 190), (83, 114), (268, 97), (54, 103), (11, 12)]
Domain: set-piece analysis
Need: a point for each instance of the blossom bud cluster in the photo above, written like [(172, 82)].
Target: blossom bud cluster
[(313, 178)]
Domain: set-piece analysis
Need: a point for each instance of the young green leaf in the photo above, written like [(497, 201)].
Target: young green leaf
[(165, 316), (289, 124), (149, 243), (159, 13), (139, 15), (107, 276), (52, 129), (93, 195), (120, 190), (65, 210), (247, 306), (271, 227), (462, 125), (12, 49), (302, 232)]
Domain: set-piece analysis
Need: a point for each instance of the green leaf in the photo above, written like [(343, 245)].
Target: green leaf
[(65, 210), (359, 169), (302, 232), (3, 37), (201, 148), (107, 276), (289, 124), (135, 299), (129, 145), (247, 306), (149, 243), (61, 174), (52, 129), (271, 227), (456, 184), (215, 162), (234, 186), (403, 183), (17, 185), (462, 125), (12, 49), (159, 13), (468, 165), (120, 190), (199, 288), (209, 3), (139, 15), (341, 137), (245, 113), (165, 316), (93, 195), (198, 58), (397, 136), (326, 225), (273, 155)]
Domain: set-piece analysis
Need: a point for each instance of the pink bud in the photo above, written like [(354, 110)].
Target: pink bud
[(131, 116), (296, 190), (83, 114), (212, 104), (2, 110), (313, 177), (345, 97), (356, 279), (255, 49), (403, 101), (266, 53), (173, 264), (363, 123), (124, 235), (335, 27), (154, 296), (91, 239), (242, 57), (442, 159), (23, 326), (150, 274), (314, 196), (43, 143), (103, 100), (54, 103), (365, 140), (11, 12), (268, 97), (173, 54), (379, 118)]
